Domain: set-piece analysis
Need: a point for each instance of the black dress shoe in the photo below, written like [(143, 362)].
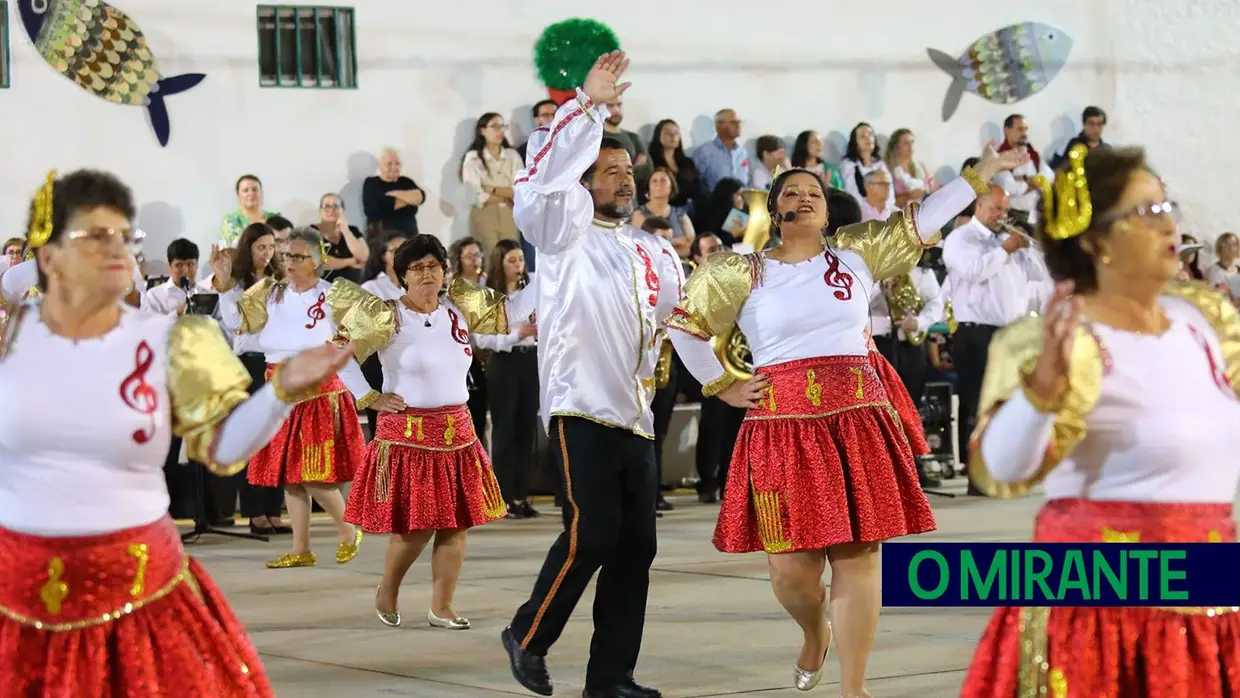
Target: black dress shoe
[(528, 669), (626, 689), (708, 498), (662, 504), (528, 511), (262, 530)]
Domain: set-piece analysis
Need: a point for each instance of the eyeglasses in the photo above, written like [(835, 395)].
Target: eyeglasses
[(331, 207), (1147, 210), (131, 240), (296, 258), (425, 267)]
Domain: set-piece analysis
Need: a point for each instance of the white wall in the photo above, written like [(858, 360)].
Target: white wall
[(1166, 72)]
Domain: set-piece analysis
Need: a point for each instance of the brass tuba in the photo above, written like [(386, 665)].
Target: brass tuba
[(903, 300), (733, 352), (758, 232), (663, 365)]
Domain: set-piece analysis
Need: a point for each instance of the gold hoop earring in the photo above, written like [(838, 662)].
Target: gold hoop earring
[(1104, 260)]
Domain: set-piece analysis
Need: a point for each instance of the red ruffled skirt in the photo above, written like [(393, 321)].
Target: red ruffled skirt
[(425, 471), (321, 442), (823, 461), (903, 403), (1114, 652), (119, 615)]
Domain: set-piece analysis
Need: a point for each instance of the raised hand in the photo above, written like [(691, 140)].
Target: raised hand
[(993, 162), (221, 263), (1050, 373), (603, 84), (745, 394), (312, 368)]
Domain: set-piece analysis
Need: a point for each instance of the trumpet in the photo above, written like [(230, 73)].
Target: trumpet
[(1012, 228)]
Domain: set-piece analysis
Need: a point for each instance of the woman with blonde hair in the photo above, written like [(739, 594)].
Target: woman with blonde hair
[(1120, 401), (1225, 272), (910, 177)]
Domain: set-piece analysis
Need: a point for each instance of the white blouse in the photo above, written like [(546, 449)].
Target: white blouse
[(86, 427), (489, 171), (300, 321), (427, 366), (1163, 429), (383, 287)]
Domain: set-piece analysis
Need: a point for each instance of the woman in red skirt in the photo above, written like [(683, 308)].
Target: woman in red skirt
[(97, 596), (320, 445), (1121, 401), (427, 474), (822, 470)]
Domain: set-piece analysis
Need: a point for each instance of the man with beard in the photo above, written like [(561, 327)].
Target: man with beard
[(604, 288), (1019, 182)]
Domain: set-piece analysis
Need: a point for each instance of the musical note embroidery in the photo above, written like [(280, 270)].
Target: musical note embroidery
[(316, 313), (459, 333), (138, 395), (837, 279), (652, 278), (1216, 371)]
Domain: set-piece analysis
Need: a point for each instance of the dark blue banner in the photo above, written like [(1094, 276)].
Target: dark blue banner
[(1061, 574)]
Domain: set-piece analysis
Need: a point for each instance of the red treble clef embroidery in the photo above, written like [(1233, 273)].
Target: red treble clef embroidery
[(459, 333), (652, 279), (836, 278), (138, 395), (1216, 371), (315, 313)]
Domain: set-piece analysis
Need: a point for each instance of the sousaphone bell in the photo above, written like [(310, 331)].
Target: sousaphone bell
[(731, 349)]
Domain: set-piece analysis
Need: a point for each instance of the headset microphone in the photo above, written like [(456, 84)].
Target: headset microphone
[(790, 216)]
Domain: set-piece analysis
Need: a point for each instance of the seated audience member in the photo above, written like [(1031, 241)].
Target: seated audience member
[(860, 159), (281, 228), (876, 204), (347, 251), (660, 190), (910, 177)]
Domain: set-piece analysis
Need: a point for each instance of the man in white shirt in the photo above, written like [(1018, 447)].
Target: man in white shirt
[(910, 360), (169, 298), (1019, 182), (596, 331), (996, 278)]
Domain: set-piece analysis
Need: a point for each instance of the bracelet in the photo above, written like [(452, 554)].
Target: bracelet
[(975, 180), (284, 396), (1038, 402)]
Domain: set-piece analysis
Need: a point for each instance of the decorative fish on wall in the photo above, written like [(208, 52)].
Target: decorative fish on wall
[(105, 53), (1005, 66)]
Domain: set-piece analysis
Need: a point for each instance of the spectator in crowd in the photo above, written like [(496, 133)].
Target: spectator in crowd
[(250, 209), (1190, 267), (390, 199), (661, 190), (631, 141), (281, 228), (860, 159), (667, 150), (14, 249), (876, 205), (771, 156), (723, 157), (487, 168), (807, 154), (1224, 274), (911, 179), (1093, 123), (728, 218), (543, 113), (1020, 183), (346, 251)]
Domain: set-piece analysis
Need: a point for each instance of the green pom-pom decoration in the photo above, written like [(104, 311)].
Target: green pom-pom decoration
[(566, 51)]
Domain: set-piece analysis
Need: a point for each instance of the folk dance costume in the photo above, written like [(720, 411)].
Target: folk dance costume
[(603, 289), (1140, 450), (426, 469), (321, 442), (825, 460), (97, 596), (901, 401)]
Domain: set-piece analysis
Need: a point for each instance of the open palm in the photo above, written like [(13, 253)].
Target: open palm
[(603, 81), (313, 367)]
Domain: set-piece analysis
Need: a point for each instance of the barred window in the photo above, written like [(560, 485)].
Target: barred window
[(306, 47), (4, 44)]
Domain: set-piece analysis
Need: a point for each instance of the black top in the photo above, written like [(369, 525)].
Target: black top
[(339, 250), (381, 208)]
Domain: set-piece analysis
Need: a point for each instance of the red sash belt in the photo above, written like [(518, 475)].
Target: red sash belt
[(70, 583), (1090, 521), (819, 387), (331, 386), (435, 429)]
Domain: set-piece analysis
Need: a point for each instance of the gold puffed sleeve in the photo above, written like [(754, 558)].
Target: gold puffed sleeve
[(714, 294), (253, 306), (889, 248), (361, 317), (486, 310), (1223, 319), (1013, 352), (205, 382)]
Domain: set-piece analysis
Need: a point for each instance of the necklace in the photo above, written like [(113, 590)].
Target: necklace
[(427, 316)]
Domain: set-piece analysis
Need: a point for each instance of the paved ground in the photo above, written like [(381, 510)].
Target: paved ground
[(713, 627)]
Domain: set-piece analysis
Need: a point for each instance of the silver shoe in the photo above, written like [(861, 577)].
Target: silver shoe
[(391, 620), (457, 623), (806, 680)]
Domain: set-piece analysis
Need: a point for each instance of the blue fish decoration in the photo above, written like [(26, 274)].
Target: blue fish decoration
[(1006, 65), (105, 53)]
